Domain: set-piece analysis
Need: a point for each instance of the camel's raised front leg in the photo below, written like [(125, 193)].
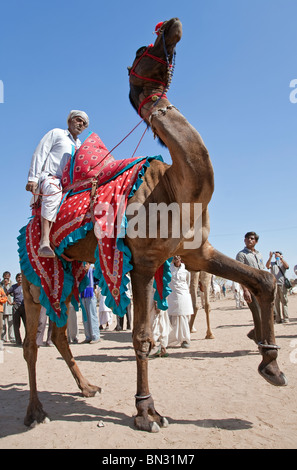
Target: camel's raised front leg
[(147, 418), (35, 412), (262, 285), (59, 338)]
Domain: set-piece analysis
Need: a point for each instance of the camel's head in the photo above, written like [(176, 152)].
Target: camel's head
[(151, 71)]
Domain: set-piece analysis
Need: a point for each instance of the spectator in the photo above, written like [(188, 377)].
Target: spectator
[(3, 299), (180, 307), (8, 330), (238, 295), (278, 269), (128, 314), (105, 313), (72, 327), (161, 329), (251, 257), (41, 329), (16, 290), (89, 305)]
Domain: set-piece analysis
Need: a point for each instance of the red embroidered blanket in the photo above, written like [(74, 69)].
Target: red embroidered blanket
[(117, 181)]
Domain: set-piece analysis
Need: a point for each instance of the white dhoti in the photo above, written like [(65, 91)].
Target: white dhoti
[(51, 190), (105, 313), (161, 327), (180, 330)]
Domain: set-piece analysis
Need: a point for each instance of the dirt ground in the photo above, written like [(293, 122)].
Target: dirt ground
[(211, 394)]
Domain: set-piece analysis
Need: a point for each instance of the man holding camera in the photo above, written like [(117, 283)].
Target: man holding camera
[(278, 269)]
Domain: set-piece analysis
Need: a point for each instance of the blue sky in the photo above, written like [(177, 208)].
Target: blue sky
[(232, 78)]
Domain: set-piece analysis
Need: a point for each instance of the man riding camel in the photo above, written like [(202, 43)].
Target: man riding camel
[(47, 164)]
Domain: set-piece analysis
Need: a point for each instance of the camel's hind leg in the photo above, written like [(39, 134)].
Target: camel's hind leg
[(59, 338), (262, 285), (35, 412), (147, 419)]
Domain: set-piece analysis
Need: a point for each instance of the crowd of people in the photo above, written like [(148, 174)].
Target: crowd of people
[(170, 327)]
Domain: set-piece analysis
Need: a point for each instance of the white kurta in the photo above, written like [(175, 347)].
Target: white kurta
[(105, 313), (47, 165), (51, 154), (180, 306)]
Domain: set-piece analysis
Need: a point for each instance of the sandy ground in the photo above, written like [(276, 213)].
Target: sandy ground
[(211, 394)]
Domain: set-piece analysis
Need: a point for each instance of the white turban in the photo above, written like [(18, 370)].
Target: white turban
[(82, 114)]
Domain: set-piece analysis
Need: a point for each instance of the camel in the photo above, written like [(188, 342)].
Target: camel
[(205, 280), (189, 179)]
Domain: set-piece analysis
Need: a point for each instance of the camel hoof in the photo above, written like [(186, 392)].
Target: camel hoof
[(270, 371), (35, 415), (164, 423), (36, 423), (91, 391), (155, 427), (209, 336), (279, 380)]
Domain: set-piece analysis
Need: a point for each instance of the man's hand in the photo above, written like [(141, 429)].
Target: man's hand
[(31, 186)]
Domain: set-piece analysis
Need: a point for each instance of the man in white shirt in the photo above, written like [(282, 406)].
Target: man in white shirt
[(47, 165)]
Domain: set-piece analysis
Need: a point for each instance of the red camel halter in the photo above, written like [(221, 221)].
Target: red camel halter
[(170, 68)]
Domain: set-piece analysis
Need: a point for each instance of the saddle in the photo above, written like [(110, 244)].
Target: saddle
[(92, 180)]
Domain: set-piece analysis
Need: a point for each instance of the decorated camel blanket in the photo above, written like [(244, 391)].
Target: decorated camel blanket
[(96, 189)]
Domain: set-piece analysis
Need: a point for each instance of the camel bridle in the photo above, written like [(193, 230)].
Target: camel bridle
[(155, 97)]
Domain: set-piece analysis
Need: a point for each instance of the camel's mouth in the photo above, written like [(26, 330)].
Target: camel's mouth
[(172, 30)]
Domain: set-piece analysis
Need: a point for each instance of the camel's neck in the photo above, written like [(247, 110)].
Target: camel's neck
[(191, 164)]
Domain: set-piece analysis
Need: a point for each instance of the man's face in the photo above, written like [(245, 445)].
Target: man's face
[(19, 279), (76, 125), (250, 242), (177, 261)]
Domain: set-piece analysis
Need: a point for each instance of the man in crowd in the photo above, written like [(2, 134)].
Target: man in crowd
[(252, 257), (278, 269)]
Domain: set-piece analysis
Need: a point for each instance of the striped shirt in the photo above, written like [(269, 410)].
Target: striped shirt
[(251, 258)]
